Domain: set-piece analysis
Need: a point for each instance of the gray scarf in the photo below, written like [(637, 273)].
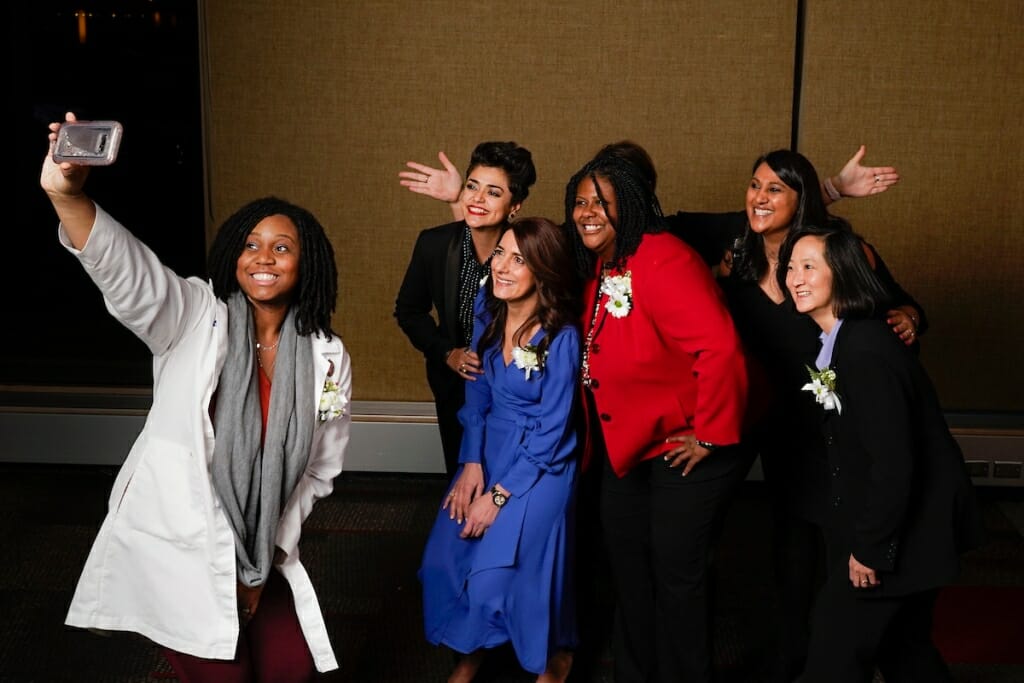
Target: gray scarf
[(254, 484)]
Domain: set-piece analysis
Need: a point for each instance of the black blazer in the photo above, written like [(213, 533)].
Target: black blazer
[(901, 499), (432, 283)]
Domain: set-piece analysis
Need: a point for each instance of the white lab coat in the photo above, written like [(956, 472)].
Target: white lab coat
[(163, 564)]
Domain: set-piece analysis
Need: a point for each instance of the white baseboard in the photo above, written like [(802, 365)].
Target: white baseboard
[(386, 437)]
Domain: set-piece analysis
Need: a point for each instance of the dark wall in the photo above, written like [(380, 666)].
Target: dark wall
[(138, 64)]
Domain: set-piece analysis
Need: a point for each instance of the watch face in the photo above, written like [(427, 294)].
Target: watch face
[(499, 498)]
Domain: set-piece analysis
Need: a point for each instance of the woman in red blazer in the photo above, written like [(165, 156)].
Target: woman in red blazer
[(902, 507), (665, 386)]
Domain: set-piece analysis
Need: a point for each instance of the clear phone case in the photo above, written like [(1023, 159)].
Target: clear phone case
[(88, 143)]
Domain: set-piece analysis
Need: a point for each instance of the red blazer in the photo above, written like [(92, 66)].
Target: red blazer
[(673, 365)]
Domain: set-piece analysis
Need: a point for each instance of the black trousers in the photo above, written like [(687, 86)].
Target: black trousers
[(852, 634), (798, 561), (449, 397), (660, 529)]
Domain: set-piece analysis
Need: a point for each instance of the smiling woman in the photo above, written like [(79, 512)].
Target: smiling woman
[(517, 473), (248, 428), (783, 195), (268, 267), (665, 387), (902, 506), (447, 267)]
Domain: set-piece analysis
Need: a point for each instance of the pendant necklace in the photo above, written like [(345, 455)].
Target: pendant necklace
[(264, 347)]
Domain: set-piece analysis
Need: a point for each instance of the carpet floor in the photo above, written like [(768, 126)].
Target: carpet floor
[(362, 547)]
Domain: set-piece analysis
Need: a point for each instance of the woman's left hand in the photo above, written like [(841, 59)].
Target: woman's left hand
[(862, 576), (482, 513), (467, 487), (687, 453), (248, 600), (855, 180), (903, 324)]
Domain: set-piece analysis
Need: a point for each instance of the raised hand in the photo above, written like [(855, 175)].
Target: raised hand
[(64, 179), (63, 184), (855, 180), (444, 184)]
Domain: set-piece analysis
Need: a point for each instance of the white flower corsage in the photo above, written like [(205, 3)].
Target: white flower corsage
[(332, 403), (525, 358), (619, 289), (823, 386)]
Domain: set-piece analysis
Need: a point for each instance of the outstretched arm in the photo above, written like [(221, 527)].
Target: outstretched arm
[(439, 183), (856, 180)]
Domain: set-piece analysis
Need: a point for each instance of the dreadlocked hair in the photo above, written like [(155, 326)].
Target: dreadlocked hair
[(638, 211), (317, 289), (545, 248)]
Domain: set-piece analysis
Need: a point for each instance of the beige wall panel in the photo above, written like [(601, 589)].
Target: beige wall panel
[(936, 88), (322, 102)]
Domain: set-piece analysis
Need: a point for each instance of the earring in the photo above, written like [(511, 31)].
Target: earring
[(511, 216)]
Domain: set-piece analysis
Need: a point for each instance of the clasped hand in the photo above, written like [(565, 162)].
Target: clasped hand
[(466, 504)]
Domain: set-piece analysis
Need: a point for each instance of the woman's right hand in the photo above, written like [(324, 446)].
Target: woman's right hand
[(444, 184), (464, 363), (467, 487), (63, 184), (64, 180)]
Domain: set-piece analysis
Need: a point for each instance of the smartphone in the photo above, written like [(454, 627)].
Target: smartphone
[(88, 143)]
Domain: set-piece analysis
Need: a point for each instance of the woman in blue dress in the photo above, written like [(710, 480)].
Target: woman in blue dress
[(498, 562)]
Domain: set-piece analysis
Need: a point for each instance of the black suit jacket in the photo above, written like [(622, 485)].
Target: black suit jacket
[(901, 499), (431, 283)]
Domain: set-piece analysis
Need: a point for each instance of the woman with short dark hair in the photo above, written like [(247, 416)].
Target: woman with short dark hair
[(444, 275), (902, 506)]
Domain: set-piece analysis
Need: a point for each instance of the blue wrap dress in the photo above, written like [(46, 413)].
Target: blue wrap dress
[(515, 583)]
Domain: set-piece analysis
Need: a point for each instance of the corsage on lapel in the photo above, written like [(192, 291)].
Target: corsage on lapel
[(619, 289), (332, 403), (526, 358), (823, 386)]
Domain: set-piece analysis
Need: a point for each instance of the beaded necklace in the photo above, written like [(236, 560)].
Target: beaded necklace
[(588, 342)]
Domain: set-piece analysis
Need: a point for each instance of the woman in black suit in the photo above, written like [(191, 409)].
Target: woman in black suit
[(902, 507), (448, 264), (784, 195)]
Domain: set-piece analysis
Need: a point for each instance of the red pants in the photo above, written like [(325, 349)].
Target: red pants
[(271, 647)]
